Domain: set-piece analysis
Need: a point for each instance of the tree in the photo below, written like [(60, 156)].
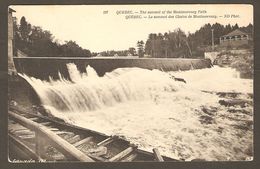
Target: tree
[(248, 29), (140, 46), (23, 38), (177, 44), (235, 27), (132, 51), (227, 29), (149, 45), (24, 29), (17, 37)]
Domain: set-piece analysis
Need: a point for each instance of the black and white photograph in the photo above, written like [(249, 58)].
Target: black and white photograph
[(130, 83)]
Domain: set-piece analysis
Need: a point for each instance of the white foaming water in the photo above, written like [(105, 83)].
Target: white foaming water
[(151, 109)]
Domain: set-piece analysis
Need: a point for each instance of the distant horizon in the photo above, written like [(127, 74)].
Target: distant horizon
[(98, 32)]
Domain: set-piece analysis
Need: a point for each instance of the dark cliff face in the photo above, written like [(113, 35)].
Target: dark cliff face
[(42, 68)]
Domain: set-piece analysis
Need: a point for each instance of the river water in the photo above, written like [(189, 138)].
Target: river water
[(151, 109)]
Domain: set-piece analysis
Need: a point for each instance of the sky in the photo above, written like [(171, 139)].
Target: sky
[(104, 27)]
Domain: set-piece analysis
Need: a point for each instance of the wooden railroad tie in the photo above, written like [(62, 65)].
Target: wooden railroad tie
[(85, 140), (45, 123), (130, 158), (73, 139), (121, 155), (106, 141)]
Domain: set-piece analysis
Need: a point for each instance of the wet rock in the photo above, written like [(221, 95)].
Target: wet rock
[(35, 109), (239, 135), (178, 79), (250, 95), (205, 133), (249, 124), (243, 111), (220, 129), (228, 94), (235, 102), (241, 127), (208, 111), (206, 119), (13, 103), (249, 151), (237, 150), (43, 111)]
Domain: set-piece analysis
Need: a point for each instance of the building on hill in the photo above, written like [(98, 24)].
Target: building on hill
[(235, 38)]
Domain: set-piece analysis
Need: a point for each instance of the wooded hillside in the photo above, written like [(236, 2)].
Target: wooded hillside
[(34, 41)]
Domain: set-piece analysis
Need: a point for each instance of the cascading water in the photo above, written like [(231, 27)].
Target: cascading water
[(151, 109), (87, 91)]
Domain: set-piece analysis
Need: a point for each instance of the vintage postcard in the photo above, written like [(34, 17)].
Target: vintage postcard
[(130, 83)]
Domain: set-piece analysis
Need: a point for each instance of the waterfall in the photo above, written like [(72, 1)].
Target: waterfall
[(87, 91)]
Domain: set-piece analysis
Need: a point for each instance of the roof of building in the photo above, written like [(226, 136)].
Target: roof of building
[(235, 33)]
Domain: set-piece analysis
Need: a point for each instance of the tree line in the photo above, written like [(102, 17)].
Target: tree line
[(130, 52), (34, 41), (175, 44)]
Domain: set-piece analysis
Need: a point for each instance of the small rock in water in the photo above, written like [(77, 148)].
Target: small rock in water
[(237, 150), (243, 111), (249, 150), (228, 94), (45, 112), (206, 119), (235, 102), (220, 129), (13, 103), (180, 79), (241, 127), (177, 79), (208, 111)]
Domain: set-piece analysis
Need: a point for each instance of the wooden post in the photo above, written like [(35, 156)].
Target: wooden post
[(39, 145), (157, 155)]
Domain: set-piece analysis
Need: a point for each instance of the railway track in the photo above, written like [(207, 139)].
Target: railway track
[(33, 136)]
